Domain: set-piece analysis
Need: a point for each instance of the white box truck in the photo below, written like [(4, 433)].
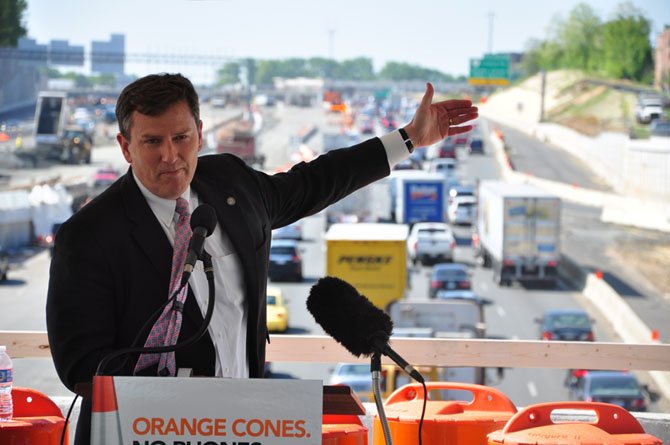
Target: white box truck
[(518, 228)]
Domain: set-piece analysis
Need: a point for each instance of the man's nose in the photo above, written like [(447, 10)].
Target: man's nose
[(169, 152)]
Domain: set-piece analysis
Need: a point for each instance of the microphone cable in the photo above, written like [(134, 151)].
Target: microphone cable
[(423, 412), (209, 272), (67, 419)]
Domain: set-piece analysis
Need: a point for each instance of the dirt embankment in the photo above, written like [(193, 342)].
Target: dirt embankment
[(589, 106)]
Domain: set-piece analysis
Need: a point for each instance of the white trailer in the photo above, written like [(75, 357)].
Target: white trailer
[(518, 226)]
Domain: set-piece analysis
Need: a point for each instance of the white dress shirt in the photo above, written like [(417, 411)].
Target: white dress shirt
[(228, 328)]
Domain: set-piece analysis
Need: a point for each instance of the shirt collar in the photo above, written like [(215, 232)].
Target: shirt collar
[(164, 209)]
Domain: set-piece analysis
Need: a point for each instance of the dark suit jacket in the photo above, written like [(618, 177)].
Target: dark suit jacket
[(111, 263)]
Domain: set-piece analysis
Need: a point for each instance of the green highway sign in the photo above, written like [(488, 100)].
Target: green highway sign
[(490, 70)]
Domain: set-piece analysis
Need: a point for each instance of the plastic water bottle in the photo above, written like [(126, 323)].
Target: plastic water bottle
[(6, 407)]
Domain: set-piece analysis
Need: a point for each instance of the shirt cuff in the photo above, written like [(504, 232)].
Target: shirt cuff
[(396, 151)]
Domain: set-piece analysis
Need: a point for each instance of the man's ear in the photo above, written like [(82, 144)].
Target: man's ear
[(200, 135), (124, 144)]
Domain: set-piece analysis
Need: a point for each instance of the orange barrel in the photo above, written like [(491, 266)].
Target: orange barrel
[(37, 420), (451, 422), (533, 425), (339, 429)]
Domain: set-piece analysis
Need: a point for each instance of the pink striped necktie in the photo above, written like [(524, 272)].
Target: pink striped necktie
[(165, 331)]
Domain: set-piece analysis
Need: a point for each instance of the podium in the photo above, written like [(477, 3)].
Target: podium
[(191, 410)]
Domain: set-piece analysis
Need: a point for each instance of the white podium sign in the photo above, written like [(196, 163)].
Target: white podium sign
[(208, 411)]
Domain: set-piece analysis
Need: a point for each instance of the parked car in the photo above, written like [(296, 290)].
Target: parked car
[(4, 264), (616, 387), (277, 313), (462, 210), (430, 242), (566, 325), (449, 276), (285, 261)]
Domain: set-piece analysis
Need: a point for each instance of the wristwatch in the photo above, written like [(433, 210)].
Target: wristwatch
[(406, 140)]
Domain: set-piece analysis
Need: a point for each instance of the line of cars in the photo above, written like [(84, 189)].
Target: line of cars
[(617, 387)]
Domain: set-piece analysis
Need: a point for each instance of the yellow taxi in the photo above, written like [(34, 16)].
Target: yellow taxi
[(277, 313)]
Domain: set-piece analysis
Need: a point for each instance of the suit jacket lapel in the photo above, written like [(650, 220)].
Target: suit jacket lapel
[(146, 230)]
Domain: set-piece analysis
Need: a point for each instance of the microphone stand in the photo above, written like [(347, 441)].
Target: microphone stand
[(376, 369), (209, 273)]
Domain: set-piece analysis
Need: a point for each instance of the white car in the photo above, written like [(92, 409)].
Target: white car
[(430, 242), (462, 210)]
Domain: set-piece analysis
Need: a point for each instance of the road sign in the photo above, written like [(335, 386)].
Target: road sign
[(490, 70)]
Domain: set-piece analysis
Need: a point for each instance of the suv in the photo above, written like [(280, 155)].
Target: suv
[(285, 260), (430, 241), (648, 108)]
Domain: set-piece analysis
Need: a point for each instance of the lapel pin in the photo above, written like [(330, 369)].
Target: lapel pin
[(230, 201)]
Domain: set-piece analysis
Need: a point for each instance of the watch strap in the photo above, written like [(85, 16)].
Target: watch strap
[(406, 140)]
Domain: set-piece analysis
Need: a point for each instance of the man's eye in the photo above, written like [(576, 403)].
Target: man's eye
[(151, 141), (180, 137)]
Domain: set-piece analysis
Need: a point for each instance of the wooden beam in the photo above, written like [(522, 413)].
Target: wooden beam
[(483, 352), (431, 352)]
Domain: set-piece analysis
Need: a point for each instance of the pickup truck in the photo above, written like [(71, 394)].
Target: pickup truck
[(430, 242)]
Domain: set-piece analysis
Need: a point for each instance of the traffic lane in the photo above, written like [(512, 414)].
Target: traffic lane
[(532, 156), (511, 316)]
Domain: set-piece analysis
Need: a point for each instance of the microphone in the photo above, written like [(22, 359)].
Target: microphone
[(203, 223), (353, 321)]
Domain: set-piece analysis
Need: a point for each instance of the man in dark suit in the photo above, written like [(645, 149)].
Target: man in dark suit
[(112, 260)]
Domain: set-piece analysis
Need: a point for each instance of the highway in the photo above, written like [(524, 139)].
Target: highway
[(511, 315)]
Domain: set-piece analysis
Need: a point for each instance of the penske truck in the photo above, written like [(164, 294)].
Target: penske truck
[(518, 230), (372, 257)]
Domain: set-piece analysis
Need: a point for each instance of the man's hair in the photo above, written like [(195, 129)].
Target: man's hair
[(153, 95)]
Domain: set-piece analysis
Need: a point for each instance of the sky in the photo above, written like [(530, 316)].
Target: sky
[(436, 34)]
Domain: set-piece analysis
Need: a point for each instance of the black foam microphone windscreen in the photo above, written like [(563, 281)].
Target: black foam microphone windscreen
[(204, 216), (348, 317)]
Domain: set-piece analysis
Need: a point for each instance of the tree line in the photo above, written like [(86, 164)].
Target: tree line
[(262, 72), (617, 48)]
